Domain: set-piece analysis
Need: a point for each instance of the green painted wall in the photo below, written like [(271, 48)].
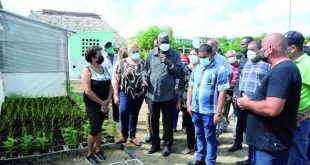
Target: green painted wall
[(79, 42)]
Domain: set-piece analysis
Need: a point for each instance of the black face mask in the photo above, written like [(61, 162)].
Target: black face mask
[(125, 55), (265, 59), (100, 60)]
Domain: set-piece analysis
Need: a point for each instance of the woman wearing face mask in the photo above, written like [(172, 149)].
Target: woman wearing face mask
[(129, 93), (97, 96), (122, 54), (183, 85)]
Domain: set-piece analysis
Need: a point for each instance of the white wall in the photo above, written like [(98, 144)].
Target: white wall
[(34, 84)]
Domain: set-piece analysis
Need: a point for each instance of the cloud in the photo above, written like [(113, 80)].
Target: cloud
[(187, 18)]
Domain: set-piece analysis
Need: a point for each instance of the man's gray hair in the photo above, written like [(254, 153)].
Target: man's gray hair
[(231, 52)]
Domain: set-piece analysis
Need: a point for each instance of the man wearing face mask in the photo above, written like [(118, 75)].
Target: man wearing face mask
[(232, 59), (110, 59), (252, 73), (205, 100), (219, 58), (162, 66), (239, 128), (273, 108), (301, 131)]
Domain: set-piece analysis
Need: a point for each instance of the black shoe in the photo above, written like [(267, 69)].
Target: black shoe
[(244, 162), (101, 156), (197, 162), (235, 147), (153, 149), (166, 151), (92, 159)]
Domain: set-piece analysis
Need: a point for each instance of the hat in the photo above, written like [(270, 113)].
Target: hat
[(184, 58), (106, 43), (294, 37)]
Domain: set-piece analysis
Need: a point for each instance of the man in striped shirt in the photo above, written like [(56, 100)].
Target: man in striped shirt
[(253, 72), (205, 100)]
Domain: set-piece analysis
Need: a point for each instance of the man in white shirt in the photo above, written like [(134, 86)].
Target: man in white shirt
[(110, 59)]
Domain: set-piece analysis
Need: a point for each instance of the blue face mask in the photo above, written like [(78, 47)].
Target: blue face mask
[(135, 56), (204, 61)]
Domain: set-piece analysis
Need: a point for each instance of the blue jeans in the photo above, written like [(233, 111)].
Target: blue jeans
[(206, 137), (260, 157), (129, 112), (298, 153)]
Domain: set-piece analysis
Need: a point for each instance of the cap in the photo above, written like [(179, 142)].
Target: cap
[(106, 43), (294, 37), (184, 58)]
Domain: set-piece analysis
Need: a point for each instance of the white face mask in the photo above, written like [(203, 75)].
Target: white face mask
[(232, 60), (251, 55), (164, 47), (193, 59)]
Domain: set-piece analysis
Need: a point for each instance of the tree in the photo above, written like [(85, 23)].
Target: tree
[(145, 39)]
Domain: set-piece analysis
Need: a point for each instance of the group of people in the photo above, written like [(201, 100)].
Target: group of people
[(268, 89)]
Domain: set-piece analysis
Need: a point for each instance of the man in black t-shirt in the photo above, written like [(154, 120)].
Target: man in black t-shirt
[(273, 109)]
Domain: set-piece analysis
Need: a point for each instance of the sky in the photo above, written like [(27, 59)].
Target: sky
[(188, 18)]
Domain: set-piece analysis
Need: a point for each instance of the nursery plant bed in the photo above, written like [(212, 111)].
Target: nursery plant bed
[(55, 152)]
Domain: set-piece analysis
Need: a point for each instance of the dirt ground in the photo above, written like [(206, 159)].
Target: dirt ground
[(176, 158)]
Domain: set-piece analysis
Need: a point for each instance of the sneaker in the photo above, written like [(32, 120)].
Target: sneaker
[(235, 148), (92, 159), (166, 151), (101, 155), (197, 162), (187, 151)]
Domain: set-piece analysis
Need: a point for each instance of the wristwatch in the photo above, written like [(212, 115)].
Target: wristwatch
[(218, 114)]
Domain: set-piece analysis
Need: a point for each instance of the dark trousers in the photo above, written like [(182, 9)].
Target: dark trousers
[(241, 124), (190, 130), (115, 110), (129, 112), (166, 107)]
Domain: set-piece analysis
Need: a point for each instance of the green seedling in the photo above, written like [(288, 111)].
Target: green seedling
[(10, 145)]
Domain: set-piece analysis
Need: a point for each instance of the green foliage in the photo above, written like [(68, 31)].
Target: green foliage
[(10, 145), (69, 88), (110, 128), (41, 141), (86, 129), (307, 39), (69, 136), (26, 143), (234, 43), (145, 39)]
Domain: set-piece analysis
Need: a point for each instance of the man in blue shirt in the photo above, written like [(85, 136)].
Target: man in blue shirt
[(205, 100), (273, 108)]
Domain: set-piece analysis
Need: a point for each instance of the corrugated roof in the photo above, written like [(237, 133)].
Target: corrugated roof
[(69, 13), (78, 24)]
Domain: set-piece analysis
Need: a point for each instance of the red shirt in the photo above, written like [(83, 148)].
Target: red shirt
[(235, 69)]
